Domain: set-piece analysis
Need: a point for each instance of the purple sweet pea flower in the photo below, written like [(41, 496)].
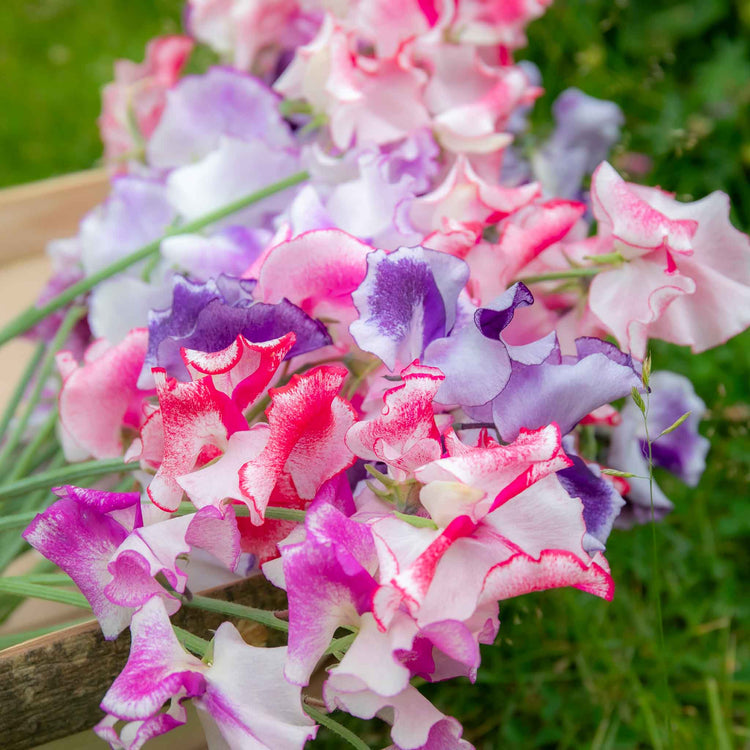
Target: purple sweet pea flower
[(202, 108), (407, 300), (563, 389), (337, 560), (230, 251), (586, 129), (208, 317), (135, 213), (682, 452), (80, 533), (242, 697)]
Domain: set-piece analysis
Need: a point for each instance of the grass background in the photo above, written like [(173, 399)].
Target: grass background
[(569, 671)]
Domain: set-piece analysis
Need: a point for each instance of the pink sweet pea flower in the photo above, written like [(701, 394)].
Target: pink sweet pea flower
[(194, 421), (252, 34), (132, 104), (100, 398), (686, 275), (367, 100)]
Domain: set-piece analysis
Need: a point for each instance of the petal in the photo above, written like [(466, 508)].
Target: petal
[(308, 422), (157, 668)]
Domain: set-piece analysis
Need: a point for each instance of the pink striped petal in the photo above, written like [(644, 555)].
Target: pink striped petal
[(404, 435), (194, 416), (308, 422), (243, 370)]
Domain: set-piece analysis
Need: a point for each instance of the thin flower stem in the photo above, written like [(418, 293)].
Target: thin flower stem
[(65, 475), (45, 370), (191, 642), (285, 514), (33, 315), (20, 587), (232, 609), (33, 450), (21, 386), (572, 273), (338, 729), (656, 583)]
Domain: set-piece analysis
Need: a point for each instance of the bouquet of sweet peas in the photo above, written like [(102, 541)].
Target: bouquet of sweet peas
[(337, 327)]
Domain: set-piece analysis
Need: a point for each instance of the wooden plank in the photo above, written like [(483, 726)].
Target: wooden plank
[(51, 687), (31, 215)]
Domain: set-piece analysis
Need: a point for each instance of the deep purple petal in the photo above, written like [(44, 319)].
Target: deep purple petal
[(601, 501), (208, 317), (492, 320)]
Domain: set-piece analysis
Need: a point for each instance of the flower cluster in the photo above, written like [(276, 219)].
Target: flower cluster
[(387, 387)]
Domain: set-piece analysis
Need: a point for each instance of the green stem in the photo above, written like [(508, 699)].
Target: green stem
[(45, 370), (33, 315), (33, 450), (19, 587), (65, 475), (338, 729), (655, 572), (572, 273), (285, 514), (232, 609), (21, 385), (191, 642)]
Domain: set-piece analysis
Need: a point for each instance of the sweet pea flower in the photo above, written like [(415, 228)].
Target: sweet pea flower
[(253, 35), (100, 398), (585, 130), (681, 452), (221, 102), (366, 100), (241, 695), (133, 103), (674, 284)]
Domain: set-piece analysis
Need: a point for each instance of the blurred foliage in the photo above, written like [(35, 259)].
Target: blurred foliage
[(569, 671), (679, 70), (55, 55)]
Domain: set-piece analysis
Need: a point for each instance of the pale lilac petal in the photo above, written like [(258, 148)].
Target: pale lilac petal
[(563, 391), (201, 109)]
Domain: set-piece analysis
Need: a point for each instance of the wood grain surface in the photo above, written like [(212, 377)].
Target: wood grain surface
[(51, 686)]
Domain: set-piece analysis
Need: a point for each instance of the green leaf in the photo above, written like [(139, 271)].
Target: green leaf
[(418, 521)]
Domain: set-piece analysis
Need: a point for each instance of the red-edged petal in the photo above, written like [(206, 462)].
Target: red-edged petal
[(243, 370), (194, 415), (405, 435), (308, 422)]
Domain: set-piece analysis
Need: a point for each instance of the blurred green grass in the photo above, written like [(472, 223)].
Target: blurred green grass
[(569, 671)]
